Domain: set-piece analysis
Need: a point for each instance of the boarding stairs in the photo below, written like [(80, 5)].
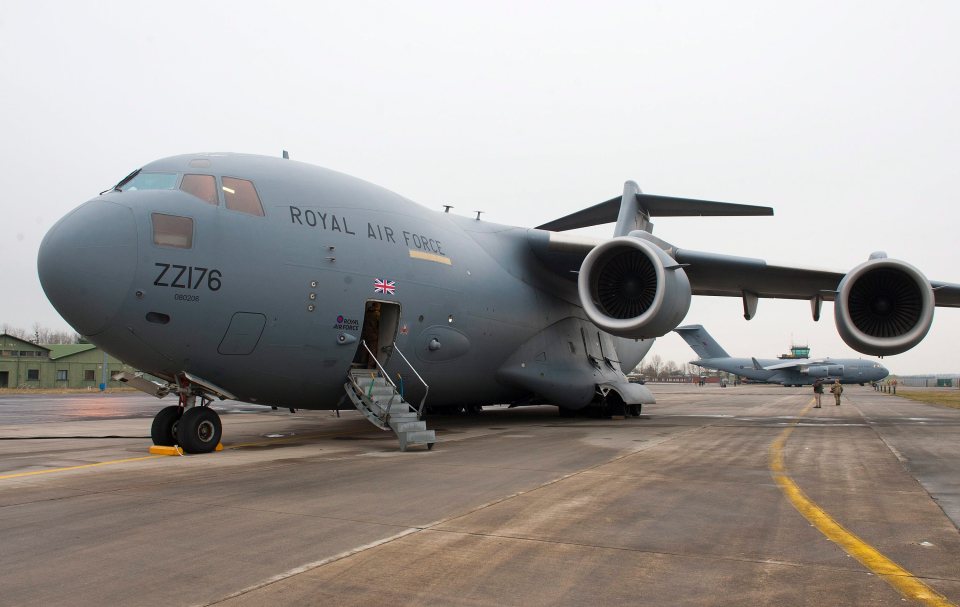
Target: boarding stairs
[(379, 399)]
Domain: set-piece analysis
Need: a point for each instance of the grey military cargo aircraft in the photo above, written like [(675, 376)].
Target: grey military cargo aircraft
[(272, 281), (784, 371)]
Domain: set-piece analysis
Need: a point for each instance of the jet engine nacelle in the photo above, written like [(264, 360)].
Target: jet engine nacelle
[(824, 371), (631, 288), (883, 307)]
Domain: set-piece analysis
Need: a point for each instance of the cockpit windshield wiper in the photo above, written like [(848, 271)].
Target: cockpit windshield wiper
[(121, 183)]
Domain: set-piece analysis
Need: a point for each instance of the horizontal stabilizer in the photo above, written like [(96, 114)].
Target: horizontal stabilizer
[(653, 206)]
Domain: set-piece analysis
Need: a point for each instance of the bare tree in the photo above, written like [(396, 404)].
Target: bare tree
[(42, 335), (670, 368), (656, 365), (14, 331)]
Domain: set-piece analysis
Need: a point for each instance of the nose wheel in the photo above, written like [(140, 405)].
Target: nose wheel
[(199, 430), (164, 428), (196, 430)]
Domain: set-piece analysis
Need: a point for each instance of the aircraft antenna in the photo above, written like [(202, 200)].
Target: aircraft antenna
[(447, 207), (478, 214), (286, 155)]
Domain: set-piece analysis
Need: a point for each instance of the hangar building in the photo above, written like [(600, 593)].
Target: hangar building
[(28, 365)]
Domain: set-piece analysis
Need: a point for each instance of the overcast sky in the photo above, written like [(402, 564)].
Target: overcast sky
[(843, 116)]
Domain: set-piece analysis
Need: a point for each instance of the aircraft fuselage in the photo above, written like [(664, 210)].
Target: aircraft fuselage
[(847, 370), (271, 306)]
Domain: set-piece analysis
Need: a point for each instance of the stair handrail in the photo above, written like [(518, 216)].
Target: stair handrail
[(386, 411), (426, 387)]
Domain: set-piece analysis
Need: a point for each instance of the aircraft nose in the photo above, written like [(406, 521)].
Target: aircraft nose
[(87, 262)]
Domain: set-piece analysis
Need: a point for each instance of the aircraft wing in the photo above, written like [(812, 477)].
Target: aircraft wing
[(717, 274), (637, 286), (803, 362), (946, 294), (731, 276)]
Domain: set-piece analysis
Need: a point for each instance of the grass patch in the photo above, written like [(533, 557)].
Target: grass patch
[(947, 398)]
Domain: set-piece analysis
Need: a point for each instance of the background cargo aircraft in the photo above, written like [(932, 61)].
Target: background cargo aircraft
[(788, 372), (273, 281)]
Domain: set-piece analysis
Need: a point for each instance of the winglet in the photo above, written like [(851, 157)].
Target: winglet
[(756, 364)]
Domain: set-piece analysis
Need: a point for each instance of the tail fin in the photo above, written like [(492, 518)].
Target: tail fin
[(701, 342)]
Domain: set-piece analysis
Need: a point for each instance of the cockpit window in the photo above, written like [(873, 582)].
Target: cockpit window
[(148, 181), (240, 195), (172, 231), (203, 187)]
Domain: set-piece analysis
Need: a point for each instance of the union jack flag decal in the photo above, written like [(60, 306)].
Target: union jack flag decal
[(382, 285)]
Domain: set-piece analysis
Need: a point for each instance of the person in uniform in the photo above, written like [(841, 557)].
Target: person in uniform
[(817, 391), (837, 390)]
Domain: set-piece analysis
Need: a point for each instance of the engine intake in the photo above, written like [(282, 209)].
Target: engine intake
[(631, 288), (884, 307)]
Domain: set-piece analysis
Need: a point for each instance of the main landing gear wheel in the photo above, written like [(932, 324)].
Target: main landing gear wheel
[(164, 428), (199, 430)]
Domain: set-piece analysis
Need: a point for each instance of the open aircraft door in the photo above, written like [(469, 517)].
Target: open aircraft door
[(381, 321)]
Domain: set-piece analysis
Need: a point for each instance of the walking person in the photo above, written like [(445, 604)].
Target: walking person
[(817, 391), (837, 390)]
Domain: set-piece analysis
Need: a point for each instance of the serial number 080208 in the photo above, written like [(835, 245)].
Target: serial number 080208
[(187, 277)]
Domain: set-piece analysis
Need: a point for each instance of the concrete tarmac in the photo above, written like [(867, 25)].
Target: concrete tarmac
[(512, 507)]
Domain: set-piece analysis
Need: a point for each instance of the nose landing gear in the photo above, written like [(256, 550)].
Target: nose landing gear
[(196, 428), (164, 428), (199, 430)]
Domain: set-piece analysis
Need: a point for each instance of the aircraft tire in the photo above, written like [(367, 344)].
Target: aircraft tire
[(163, 431), (614, 405), (199, 430)]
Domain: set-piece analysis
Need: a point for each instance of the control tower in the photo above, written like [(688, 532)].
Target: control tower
[(796, 352)]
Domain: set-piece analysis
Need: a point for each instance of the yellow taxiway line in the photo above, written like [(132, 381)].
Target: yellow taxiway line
[(80, 467), (157, 452), (902, 580)]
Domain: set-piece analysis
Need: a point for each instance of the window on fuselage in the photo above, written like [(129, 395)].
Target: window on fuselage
[(148, 181), (172, 231), (240, 195), (203, 187)]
